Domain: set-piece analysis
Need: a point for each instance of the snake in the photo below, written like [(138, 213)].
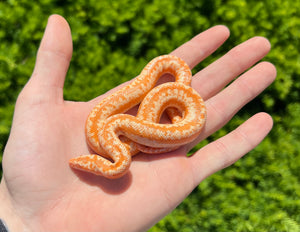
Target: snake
[(116, 136)]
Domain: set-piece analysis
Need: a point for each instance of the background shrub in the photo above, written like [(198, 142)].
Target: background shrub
[(113, 40)]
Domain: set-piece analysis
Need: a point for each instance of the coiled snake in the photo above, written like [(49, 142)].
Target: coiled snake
[(116, 136)]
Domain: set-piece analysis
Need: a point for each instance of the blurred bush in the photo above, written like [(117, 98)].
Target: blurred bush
[(113, 40)]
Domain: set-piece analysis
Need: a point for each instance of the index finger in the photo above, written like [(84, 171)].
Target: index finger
[(192, 52), (202, 45)]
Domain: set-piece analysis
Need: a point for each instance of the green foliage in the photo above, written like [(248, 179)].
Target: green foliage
[(113, 40)]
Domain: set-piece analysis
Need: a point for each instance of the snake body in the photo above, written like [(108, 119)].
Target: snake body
[(116, 136)]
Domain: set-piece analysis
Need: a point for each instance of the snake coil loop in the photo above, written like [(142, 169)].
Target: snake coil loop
[(117, 136)]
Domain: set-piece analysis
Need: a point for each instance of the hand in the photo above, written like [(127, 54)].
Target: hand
[(40, 192)]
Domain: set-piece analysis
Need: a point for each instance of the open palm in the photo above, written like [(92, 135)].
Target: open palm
[(43, 193)]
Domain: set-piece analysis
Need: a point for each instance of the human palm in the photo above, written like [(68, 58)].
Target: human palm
[(45, 194)]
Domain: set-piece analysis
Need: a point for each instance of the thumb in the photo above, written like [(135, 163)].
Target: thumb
[(52, 63)]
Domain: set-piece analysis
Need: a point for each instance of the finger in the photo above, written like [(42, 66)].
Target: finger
[(222, 107), (228, 149), (193, 51), (217, 75), (202, 45), (53, 57)]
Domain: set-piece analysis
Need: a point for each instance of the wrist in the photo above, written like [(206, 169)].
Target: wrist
[(8, 214)]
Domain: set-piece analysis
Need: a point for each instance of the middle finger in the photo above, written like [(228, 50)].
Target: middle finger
[(217, 75)]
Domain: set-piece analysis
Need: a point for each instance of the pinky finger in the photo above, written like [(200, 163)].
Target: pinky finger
[(228, 149)]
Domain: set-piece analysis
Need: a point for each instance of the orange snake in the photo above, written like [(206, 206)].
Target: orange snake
[(117, 136)]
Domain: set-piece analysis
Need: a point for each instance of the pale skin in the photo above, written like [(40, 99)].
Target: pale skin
[(40, 192)]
